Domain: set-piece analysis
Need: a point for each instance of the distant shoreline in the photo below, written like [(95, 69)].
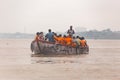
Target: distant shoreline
[(92, 34)]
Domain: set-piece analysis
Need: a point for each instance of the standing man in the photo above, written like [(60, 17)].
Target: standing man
[(70, 31), (49, 36)]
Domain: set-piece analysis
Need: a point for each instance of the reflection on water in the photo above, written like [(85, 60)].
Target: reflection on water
[(52, 61), (58, 60)]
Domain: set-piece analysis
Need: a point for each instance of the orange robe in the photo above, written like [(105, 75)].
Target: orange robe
[(83, 43), (68, 40)]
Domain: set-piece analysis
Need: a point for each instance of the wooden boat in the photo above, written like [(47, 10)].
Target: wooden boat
[(44, 48)]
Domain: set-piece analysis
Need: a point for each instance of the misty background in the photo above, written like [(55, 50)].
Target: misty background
[(89, 18), (30, 16)]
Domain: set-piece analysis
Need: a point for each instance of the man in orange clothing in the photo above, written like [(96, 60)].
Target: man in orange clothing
[(37, 38), (59, 39), (83, 42), (68, 40), (64, 40)]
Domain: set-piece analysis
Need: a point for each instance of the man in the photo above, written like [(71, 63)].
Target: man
[(41, 36), (50, 36), (83, 42), (70, 31), (37, 37), (68, 40)]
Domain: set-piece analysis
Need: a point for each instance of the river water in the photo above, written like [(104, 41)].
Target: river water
[(102, 62)]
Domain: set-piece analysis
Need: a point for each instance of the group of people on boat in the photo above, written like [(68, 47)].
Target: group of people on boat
[(65, 40)]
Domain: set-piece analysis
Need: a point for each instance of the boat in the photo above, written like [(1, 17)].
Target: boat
[(45, 48)]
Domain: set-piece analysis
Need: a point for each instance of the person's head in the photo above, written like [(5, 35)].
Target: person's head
[(49, 30), (64, 36), (37, 33), (82, 38), (71, 27), (41, 32), (77, 36), (73, 37), (60, 35)]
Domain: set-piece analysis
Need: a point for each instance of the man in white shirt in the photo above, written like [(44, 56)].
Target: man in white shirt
[(70, 31)]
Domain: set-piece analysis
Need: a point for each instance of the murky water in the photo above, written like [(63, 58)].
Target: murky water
[(102, 63)]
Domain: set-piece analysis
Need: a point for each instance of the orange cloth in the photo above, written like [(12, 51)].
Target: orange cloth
[(60, 40), (68, 40), (56, 39), (83, 43), (37, 38), (64, 41), (73, 44)]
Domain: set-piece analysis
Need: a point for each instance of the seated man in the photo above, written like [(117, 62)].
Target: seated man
[(41, 36), (59, 39), (68, 40), (37, 37)]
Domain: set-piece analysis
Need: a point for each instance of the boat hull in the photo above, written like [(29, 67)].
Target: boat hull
[(46, 48)]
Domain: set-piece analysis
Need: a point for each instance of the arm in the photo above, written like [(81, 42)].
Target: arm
[(46, 36), (68, 32), (73, 32)]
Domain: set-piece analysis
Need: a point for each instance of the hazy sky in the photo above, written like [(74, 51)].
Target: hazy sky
[(39, 15)]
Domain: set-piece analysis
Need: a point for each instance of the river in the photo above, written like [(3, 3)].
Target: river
[(102, 62)]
